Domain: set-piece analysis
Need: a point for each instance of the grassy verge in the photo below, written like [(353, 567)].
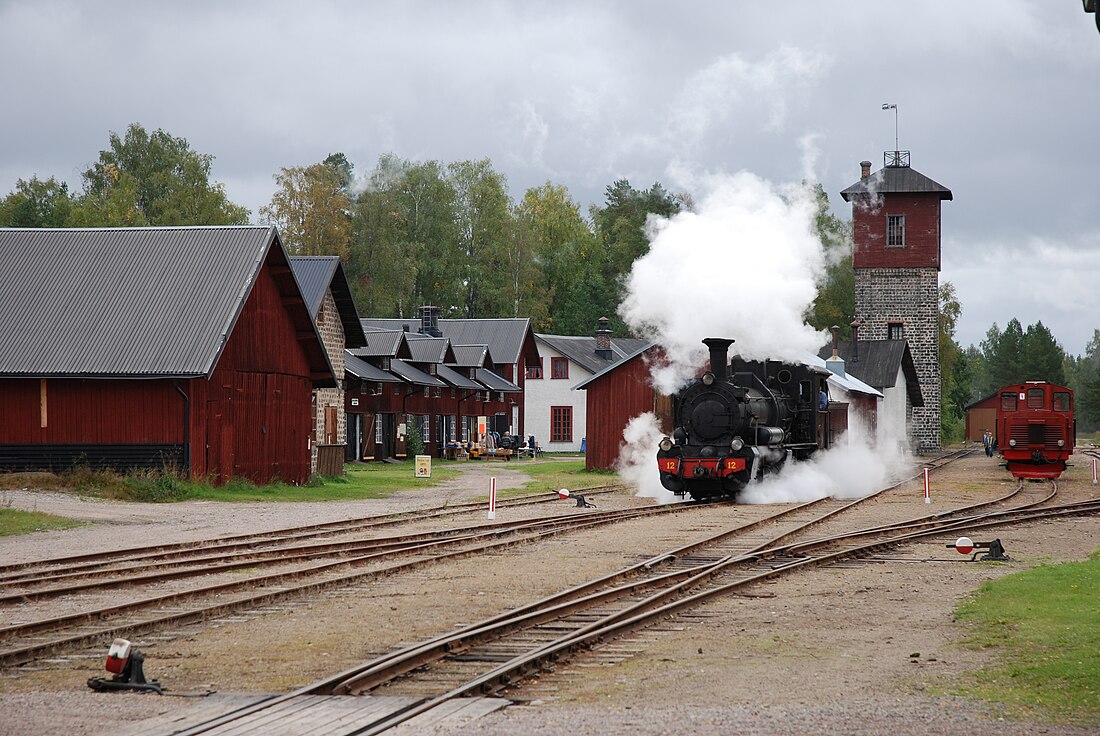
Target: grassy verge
[(1044, 625), (379, 480), (374, 480), (550, 475), (14, 521)]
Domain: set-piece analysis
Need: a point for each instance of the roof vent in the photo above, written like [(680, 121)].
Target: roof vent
[(429, 321), (603, 340), (836, 363)]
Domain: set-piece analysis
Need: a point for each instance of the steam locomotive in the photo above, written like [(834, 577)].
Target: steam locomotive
[(740, 420)]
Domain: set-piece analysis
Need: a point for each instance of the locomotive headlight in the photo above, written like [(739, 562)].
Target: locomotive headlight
[(737, 444), (1012, 443), (1061, 443), (666, 444), (708, 379)]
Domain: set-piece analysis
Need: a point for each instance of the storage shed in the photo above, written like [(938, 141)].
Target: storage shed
[(616, 395), (981, 415), (180, 347)]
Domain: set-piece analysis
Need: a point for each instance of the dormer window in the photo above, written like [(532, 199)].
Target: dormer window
[(895, 231)]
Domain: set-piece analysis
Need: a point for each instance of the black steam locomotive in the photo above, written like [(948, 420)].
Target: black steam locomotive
[(740, 421)]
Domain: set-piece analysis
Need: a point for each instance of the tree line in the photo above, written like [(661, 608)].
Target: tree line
[(449, 234)]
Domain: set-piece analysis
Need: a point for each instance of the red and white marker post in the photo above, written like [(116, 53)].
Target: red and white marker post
[(492, 498), (927, 488)]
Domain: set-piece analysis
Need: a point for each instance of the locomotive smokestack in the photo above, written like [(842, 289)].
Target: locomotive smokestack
[(719, 356)]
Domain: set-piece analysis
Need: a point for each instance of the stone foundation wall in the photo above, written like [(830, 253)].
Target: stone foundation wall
[(909, 296)]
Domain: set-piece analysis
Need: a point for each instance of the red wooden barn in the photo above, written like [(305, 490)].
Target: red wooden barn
[(185, 347), (981, 416), (616, 395)]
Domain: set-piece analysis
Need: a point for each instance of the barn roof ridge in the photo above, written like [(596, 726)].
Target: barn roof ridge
[(134, 302), (316, 276)]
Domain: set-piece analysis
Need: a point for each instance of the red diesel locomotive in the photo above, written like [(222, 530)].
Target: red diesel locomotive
[(1035, 428)]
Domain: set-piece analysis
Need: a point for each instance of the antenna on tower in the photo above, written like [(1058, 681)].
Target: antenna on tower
[(893, 106), (896, 157)]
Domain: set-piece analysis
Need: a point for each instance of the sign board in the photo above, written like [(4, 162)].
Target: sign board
[(423, 466), (355, 402), (482, 426)]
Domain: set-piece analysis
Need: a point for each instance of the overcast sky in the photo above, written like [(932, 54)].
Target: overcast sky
[(998, 100)]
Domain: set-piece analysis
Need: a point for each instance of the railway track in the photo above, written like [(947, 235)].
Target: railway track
[(493, 655), (65, 576), (40, 635), (158, 554)]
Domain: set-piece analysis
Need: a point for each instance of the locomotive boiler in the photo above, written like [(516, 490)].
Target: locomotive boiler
[(740, 420)]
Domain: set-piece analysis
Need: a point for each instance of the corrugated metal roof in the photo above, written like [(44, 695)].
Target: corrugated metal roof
[(384, 344), (455, 378), (879, 363), (430, 349), (848, 382), (316, 275), (414, 375), (123, 301), (504, 337), (581, 349), (472, 356), (896, 180), (496, 382), (363, 370), (583, 385)]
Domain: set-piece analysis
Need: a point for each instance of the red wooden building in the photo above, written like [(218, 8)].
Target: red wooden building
[(184, 347), (981, 417), (400, 380), (614, 396)]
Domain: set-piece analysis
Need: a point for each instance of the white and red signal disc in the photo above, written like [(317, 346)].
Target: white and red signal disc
[(964, 545)]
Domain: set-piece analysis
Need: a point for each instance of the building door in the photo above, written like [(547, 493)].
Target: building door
[(332, 423)]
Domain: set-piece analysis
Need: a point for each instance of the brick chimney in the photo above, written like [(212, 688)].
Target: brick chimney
[(603, 340), (864, 169)]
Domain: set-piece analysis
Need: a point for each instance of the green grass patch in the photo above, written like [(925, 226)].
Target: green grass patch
[(377, 480), (1044, 625), (14, 521), (549, 474)]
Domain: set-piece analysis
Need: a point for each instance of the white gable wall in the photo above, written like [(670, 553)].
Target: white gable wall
[(540, 394), (893, 417)]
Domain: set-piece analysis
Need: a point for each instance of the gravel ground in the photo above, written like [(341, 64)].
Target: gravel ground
[(867, 648)]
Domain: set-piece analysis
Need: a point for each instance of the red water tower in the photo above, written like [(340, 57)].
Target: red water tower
[(896, 257)]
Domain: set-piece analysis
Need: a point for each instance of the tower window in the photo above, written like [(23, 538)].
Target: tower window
[(895, 331), (895, 231)]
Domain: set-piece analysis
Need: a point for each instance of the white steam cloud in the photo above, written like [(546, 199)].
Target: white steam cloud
[(853, 468), (637, 462), (744, 265)]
